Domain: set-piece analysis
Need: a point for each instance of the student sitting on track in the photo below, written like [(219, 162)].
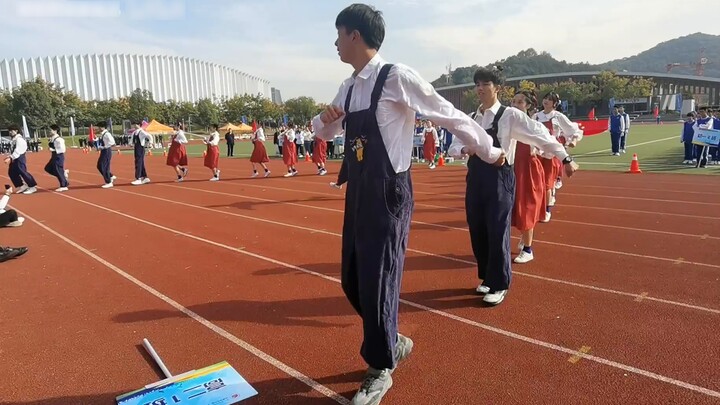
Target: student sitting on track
[(10, 217)]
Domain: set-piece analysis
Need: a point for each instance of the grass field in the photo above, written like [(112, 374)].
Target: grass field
[(658, 148)]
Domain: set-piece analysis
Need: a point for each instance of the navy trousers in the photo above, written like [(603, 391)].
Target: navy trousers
[(140, 172), (56, 167), (103, 164), (615, 141), (18, 173), (489, 200)]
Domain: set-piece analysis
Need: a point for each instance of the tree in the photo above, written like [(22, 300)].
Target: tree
[(141, 106), (469, 101), (206, 113), (36, 100), (301, 109)]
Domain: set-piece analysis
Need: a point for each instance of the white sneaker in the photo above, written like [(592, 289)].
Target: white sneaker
[(215, 179), (551, 203), (136, 182), (30, 190), (288, 174), (521, 245), (255, 174), (267, 173), (108, 185), (523, 257), (558, 185), (146, 180), (323, 172), (22, 189), (113, 178), (545, 220), (482, 289), (15, 224), (495, 298), (61, 189)]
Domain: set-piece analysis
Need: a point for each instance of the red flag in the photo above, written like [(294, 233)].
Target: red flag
[(254, 126), (91, 135), (656, 111), (593, 127), (591, 115)]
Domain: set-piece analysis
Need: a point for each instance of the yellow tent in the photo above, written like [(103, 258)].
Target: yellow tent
[(155, 127), (244, 128), (229, 127)]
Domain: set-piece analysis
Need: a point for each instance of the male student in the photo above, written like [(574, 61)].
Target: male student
[(616, 125), (56, 165), (107, 141), (490, 191), (17, 170), (376, 107), (626, 128), (141, 140)]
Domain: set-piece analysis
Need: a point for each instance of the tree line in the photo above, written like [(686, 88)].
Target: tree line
[(43, 104)]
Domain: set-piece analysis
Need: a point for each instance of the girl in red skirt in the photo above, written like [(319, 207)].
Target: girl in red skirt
[(290, 157), (319, 155), (529, 205), (212, 155), (567, 132), (177, 155), (431, 144), (259, 154)]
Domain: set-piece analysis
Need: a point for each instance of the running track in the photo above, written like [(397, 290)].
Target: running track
[(621, 305)]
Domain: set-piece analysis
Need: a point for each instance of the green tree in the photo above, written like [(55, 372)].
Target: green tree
[(36, 100), (301, 109), (141, 106), (206, 113)]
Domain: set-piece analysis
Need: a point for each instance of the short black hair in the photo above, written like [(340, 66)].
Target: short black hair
[(13, 127), (702, 109), (489, 75), (690, 114), (55, 127), (366, 20), (101, 125)]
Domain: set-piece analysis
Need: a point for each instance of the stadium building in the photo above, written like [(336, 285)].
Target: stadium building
[(112, 76)]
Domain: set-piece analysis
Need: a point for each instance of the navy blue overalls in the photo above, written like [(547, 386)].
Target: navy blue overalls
[(56, 165), (378, 208), (489, 199), (17, 171), (103, 163), (140, 172)]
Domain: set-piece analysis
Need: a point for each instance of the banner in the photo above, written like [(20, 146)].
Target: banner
[(218, 384), (706, 137)]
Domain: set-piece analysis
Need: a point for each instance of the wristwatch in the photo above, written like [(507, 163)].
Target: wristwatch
[(567, 160)]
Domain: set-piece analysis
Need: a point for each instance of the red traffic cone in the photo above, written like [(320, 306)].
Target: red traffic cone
[(634, 165)]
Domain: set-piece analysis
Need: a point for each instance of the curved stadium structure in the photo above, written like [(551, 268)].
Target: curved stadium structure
[(111, 76)]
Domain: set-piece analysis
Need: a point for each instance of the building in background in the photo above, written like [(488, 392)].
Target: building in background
[(112, 76), (276, 97)]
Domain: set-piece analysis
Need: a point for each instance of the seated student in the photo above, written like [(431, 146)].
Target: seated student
[(10, 217)]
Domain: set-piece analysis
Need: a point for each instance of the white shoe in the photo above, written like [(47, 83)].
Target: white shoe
[(136, 182), (295, 173), (288, 174), (15, 224), (146, 180), (21, 189), (255, 174), (482, 289), (523, 257), (30, 190), (61, 189), (545, 220), (108, 185), (323, 172), (551, 203), (215, 179), (113, 178), (558, 185), (267, 174), (495, 298)]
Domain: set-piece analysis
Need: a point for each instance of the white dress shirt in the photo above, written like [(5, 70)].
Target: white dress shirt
[(289, 135), (145, 138), (214, 139), (58, 144), (108, 140), (18, 146), (180, 137), (260, 135), (514, 125), (405, 93)]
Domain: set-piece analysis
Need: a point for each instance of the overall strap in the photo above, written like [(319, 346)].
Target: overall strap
[(347, 105), (494, 128), (379, 84)]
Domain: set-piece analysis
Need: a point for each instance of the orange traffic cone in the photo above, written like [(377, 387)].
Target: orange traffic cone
[(307, 157), (441, 161), (164, 152), (634, 165)]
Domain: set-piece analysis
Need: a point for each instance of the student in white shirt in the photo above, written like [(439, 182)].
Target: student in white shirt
[(376, 107), (107, 141), (289, 150), (212, 155), (23, 181), (490, 191), (177, 157), (56, 165), (141, 140), (259, 153)]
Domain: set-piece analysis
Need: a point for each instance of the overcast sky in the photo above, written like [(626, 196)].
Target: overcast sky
[(290, 42)]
